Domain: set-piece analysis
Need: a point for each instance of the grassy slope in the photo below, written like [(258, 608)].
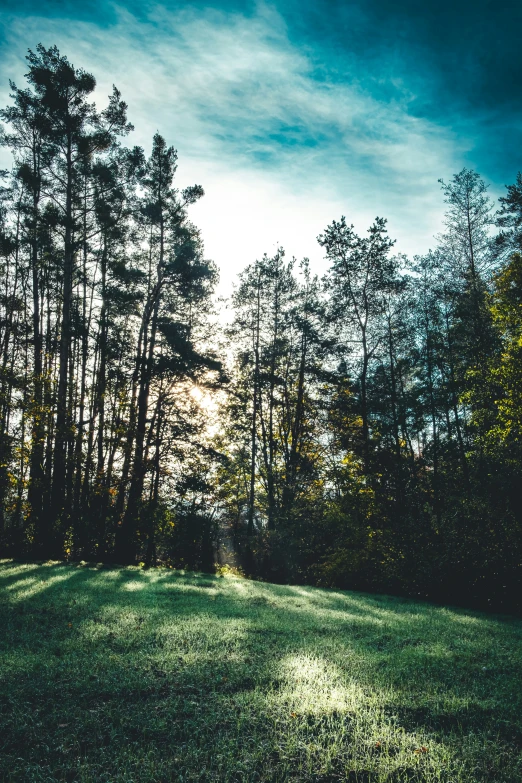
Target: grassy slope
[(125, 675)]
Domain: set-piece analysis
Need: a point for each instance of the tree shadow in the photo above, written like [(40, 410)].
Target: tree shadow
[(163, 660)]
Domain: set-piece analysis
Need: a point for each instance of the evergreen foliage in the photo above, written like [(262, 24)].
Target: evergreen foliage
[(368, 425)]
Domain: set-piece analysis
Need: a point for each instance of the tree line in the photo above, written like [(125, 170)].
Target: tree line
[(368, 426)]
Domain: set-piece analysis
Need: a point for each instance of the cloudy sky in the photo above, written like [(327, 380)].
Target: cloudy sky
[(295, 112)]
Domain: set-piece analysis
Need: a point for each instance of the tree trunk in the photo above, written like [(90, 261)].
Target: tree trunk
[(58, 500)]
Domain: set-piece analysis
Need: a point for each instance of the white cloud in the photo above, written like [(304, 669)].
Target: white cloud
[(279, 153)]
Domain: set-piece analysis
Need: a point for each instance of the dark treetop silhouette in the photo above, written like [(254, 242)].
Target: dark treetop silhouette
[(368, 425)]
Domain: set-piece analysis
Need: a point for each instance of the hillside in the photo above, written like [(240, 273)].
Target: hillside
[(125, 675)]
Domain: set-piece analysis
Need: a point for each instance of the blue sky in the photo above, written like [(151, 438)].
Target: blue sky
[(293, 113)]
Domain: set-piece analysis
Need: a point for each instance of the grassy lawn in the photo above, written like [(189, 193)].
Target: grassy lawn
[(130, 675)]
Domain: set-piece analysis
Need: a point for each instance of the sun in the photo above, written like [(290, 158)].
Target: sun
[(202, 397)]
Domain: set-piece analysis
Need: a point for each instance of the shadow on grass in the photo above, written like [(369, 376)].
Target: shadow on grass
[(246, 681)]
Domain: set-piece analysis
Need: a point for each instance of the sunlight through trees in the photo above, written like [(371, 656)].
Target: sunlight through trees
[(356, 430)]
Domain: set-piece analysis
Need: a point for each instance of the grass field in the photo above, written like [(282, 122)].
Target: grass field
[(140, 676)]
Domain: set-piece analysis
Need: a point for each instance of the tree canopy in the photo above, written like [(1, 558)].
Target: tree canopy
[(367, 426)]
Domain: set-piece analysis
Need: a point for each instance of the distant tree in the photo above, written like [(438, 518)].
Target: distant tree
[(509, 219), (179, 282), (468, 253), (361, 276), (273, 406), (104, 309)]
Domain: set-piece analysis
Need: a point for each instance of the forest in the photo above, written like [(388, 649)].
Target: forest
[(360, 429)]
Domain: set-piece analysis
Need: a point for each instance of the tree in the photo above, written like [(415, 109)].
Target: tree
[(273, 405), (362, 274), (179, 281), (469, 259), (509, 219), (104, 280)]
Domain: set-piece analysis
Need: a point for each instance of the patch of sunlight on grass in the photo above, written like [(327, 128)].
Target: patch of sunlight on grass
[(21, 583), (240, 586), (33, 586), (458, 616), (345, 729), (9, 569), (133, 586), (317, 686), (333, 604), (101, 575), (136, 676)]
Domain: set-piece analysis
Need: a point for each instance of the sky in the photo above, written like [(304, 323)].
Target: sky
[(291, 114)]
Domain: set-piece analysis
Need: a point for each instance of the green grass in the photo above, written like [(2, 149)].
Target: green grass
[(130, 675)]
